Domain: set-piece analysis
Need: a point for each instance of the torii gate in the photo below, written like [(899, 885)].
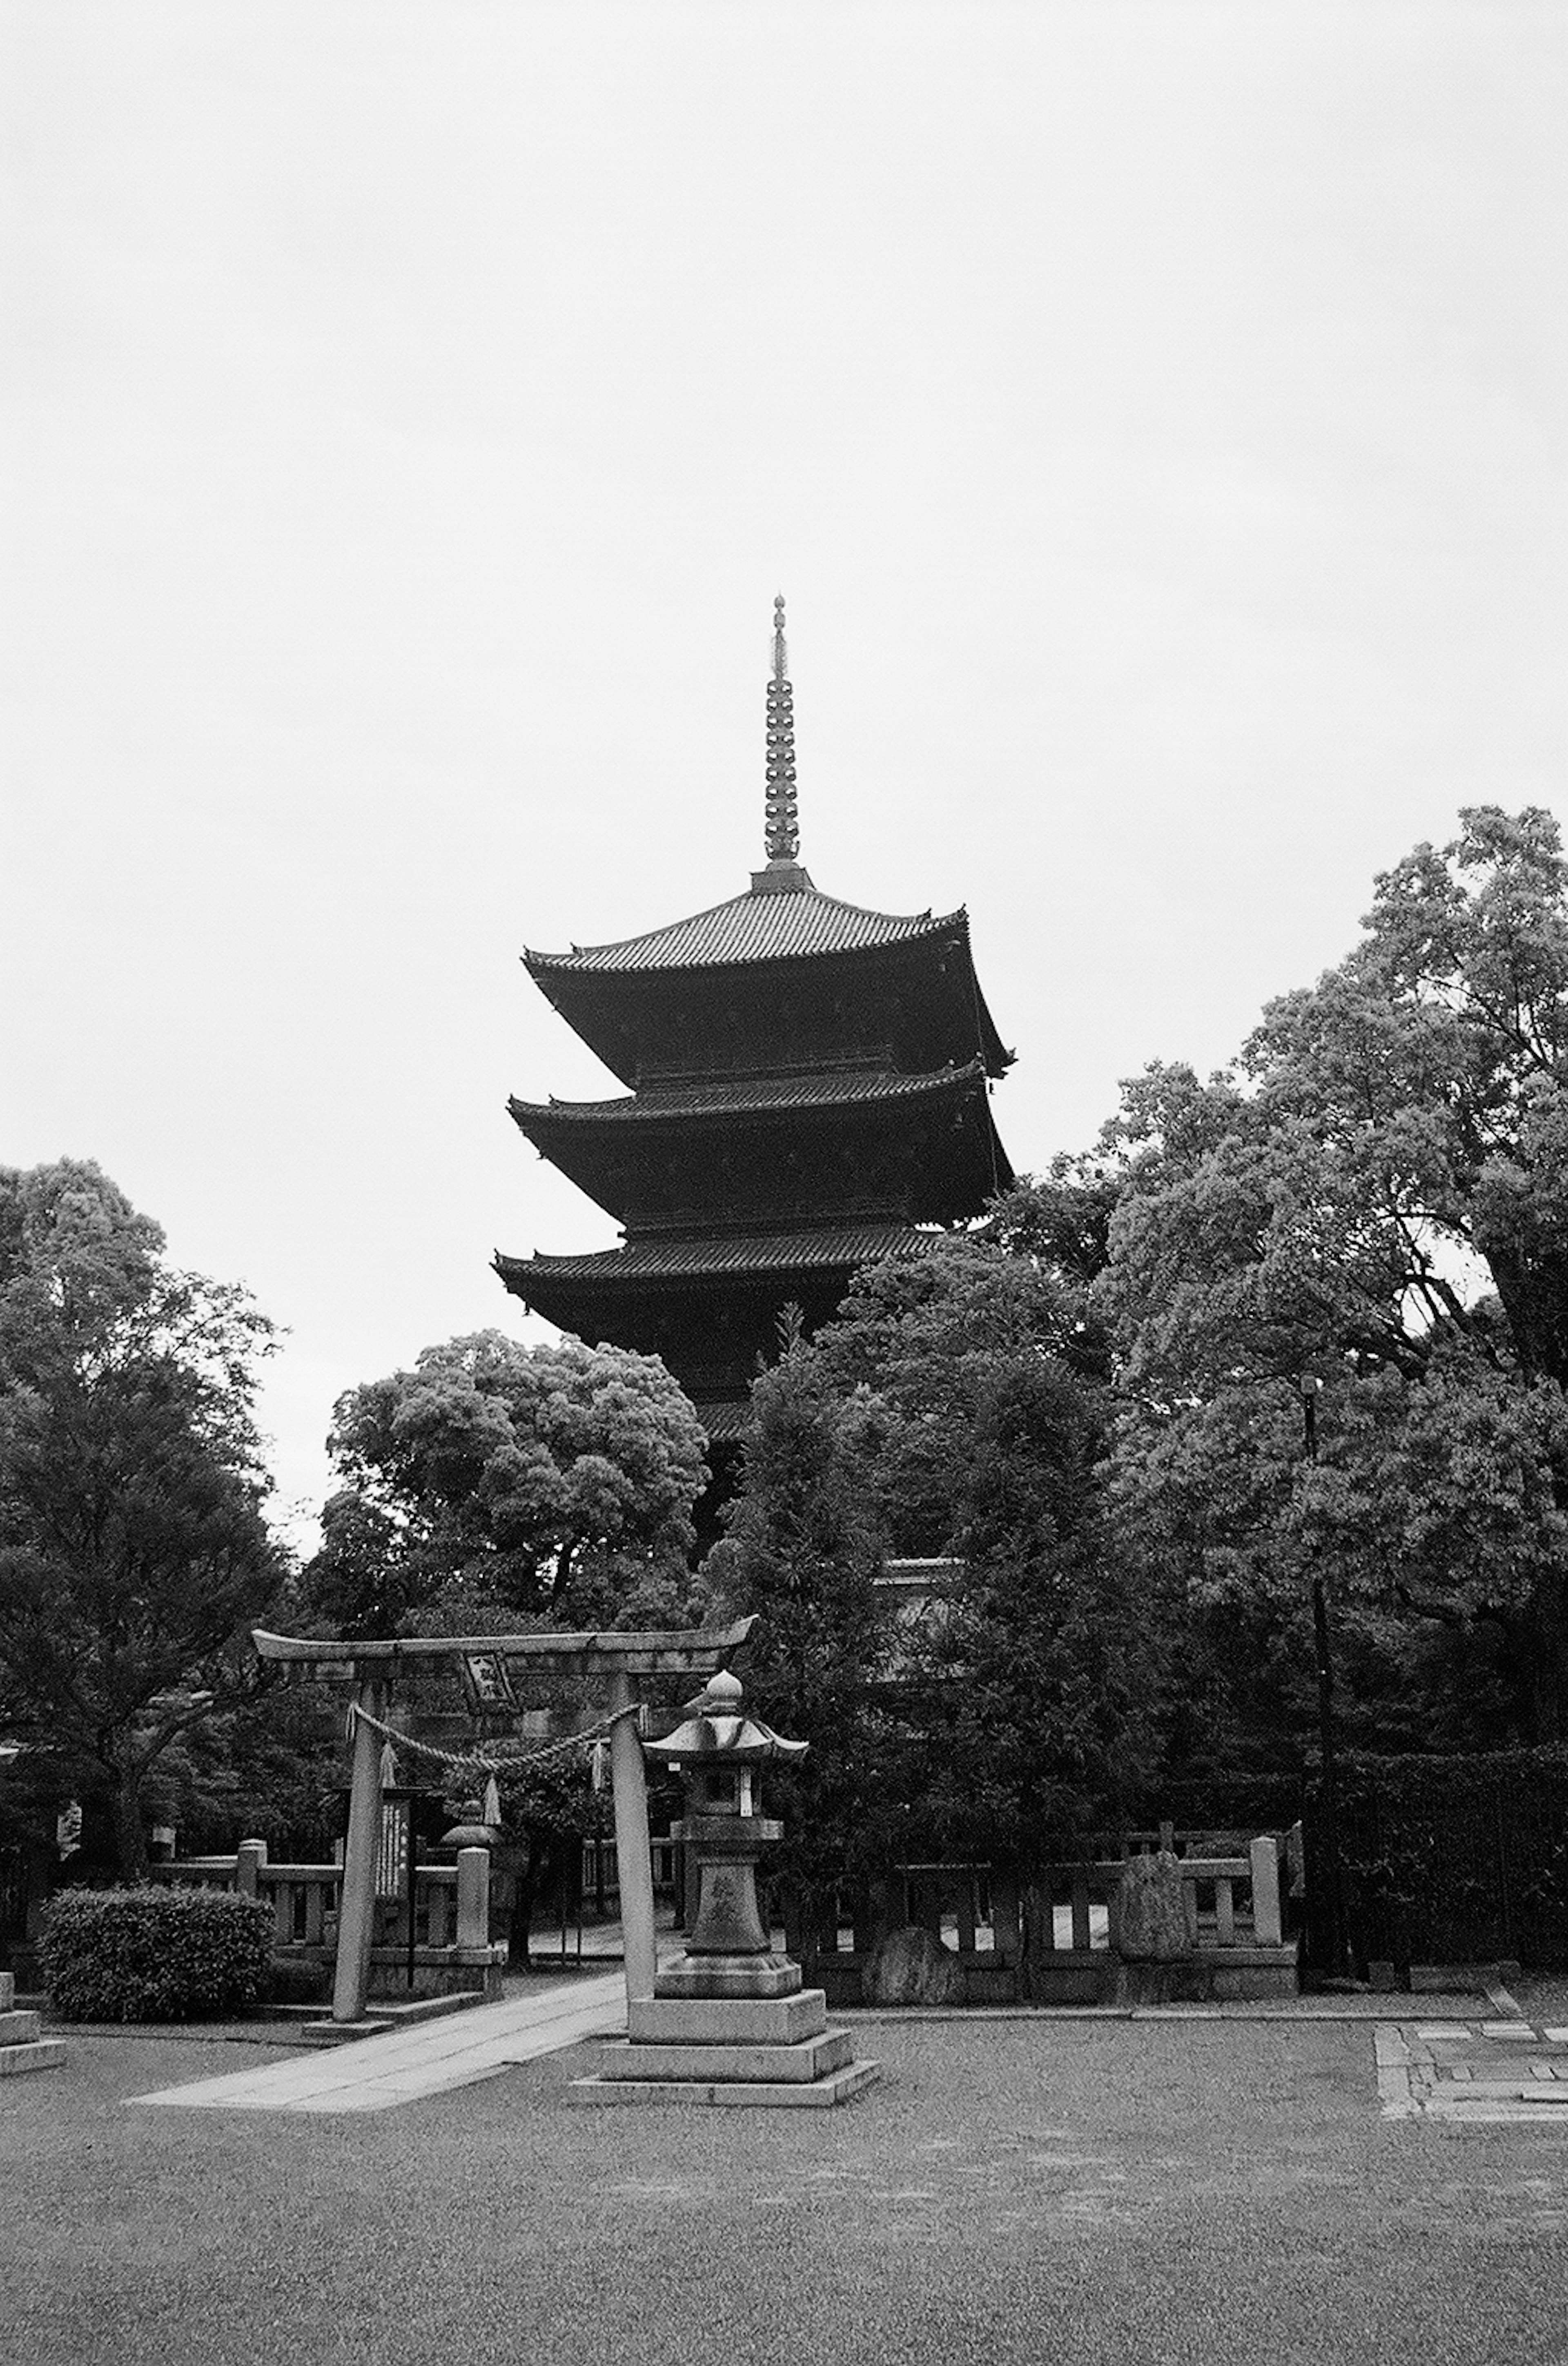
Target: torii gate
[(620, 1659)]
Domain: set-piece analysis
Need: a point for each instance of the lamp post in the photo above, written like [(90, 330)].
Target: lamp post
[(1310, 1390)]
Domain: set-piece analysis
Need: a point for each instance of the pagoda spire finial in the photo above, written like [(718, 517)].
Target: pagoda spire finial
[(782, 834)]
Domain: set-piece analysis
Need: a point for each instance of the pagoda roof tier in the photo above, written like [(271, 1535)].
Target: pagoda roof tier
[(778, 1148), (709, 1305), (746, 1096), (680, 1260), (757, 926), (777, 979), (726, 1422)]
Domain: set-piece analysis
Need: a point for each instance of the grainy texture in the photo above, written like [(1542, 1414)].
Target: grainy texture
[(1143, 2192)]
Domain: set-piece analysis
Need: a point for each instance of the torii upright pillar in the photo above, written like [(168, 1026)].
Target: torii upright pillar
[(356, 1897), (615, 1661), (633, 1858)]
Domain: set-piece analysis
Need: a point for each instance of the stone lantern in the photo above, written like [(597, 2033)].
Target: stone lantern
[(730, 2021), (719, 1750)]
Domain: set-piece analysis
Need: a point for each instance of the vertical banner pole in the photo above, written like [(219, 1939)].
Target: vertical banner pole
[(633, 1856), (357, 1897), (413, 1891)]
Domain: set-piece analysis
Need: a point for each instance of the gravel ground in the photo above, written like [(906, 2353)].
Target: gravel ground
[(1542, 1996), (1149, 2193)]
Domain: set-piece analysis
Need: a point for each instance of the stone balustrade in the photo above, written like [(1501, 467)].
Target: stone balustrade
[(1054, 1936), (452, 1947)]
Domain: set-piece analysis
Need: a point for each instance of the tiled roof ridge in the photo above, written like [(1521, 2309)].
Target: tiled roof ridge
[(752, 927), (828, 1245), (841, 1089)]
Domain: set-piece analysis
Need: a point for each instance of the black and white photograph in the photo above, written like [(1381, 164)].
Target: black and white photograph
[(784, 1182)]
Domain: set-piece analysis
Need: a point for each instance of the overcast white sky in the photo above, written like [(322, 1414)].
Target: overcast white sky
[(1155, 416)]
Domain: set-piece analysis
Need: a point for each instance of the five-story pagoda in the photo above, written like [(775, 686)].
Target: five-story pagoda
[(809, 1088)]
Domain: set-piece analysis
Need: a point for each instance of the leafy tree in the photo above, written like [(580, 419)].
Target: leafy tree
[(978, 1404), (498, 1489), (957, 1410), (804, 1552), (133, 1553), (556, 1482), (920, 1346), (1375, 1201)]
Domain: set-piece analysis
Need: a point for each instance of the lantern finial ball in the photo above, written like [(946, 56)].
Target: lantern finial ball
[(723, 1693)]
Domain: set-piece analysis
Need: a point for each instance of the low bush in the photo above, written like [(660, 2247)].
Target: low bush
[(154, 1954), (297, 1982)]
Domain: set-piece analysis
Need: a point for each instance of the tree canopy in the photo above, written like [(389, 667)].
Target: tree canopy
[(133, 1553), (553, 1483), (804, 1552), (955, 1414), (977, 1389), (1372, 1202)]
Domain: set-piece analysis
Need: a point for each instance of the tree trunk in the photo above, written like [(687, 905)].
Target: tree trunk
[(130, 1832)]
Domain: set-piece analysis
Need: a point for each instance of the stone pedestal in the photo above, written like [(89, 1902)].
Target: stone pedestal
[(735, 2030), (22, 2047)]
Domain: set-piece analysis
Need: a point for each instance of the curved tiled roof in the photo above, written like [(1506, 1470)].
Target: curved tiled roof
[(753, 927), (724, 1420), (722, 1252), (755, 1094)]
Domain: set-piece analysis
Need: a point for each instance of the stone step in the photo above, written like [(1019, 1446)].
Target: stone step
[(340, 2033), (43, 2054), (739, 2094), (380, 2015), (730, 2021), (19, 2028), (811, 2058)]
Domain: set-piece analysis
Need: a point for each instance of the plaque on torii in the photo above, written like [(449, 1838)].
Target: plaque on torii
[(620, 1660)]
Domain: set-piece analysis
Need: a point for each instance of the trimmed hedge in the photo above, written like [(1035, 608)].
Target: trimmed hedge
[(154, 1954), (1451, 1860)]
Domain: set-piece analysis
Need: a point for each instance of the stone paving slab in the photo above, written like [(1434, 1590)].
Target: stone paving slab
[(1484, 2072), (404, 2066), (33, 2054)]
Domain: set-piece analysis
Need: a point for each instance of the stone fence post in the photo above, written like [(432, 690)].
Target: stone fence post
[(1268, 1930), (249, 1859), (473, 1897)]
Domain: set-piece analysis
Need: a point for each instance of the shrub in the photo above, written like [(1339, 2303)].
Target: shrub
[(294, 1982), (154, 1954)]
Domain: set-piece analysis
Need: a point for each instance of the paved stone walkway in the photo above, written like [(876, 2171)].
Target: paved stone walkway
[(1449, 2065), (1474, 2072), (371, 2074)]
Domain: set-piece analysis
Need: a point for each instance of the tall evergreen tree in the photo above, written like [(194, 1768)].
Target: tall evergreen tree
[(133, 1553), (804, 1553)]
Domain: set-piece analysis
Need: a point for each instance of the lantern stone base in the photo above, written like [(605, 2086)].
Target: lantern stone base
[(727, 1976), (743, 2094), (730, 2021), (789, 2066), (768, 2042)]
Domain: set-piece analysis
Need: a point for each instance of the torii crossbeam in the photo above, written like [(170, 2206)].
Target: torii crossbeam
[(619, 1658)]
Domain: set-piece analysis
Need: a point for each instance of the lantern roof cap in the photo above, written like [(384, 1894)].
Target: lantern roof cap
[(716, 1729)]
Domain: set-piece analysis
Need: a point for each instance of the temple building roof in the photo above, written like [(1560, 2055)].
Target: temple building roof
[(674, 1258), (738, 1153), (752, 1096), (762, 925)]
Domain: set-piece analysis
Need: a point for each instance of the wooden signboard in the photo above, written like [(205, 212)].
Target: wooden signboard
[(392, 1857), (487, 1685)]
